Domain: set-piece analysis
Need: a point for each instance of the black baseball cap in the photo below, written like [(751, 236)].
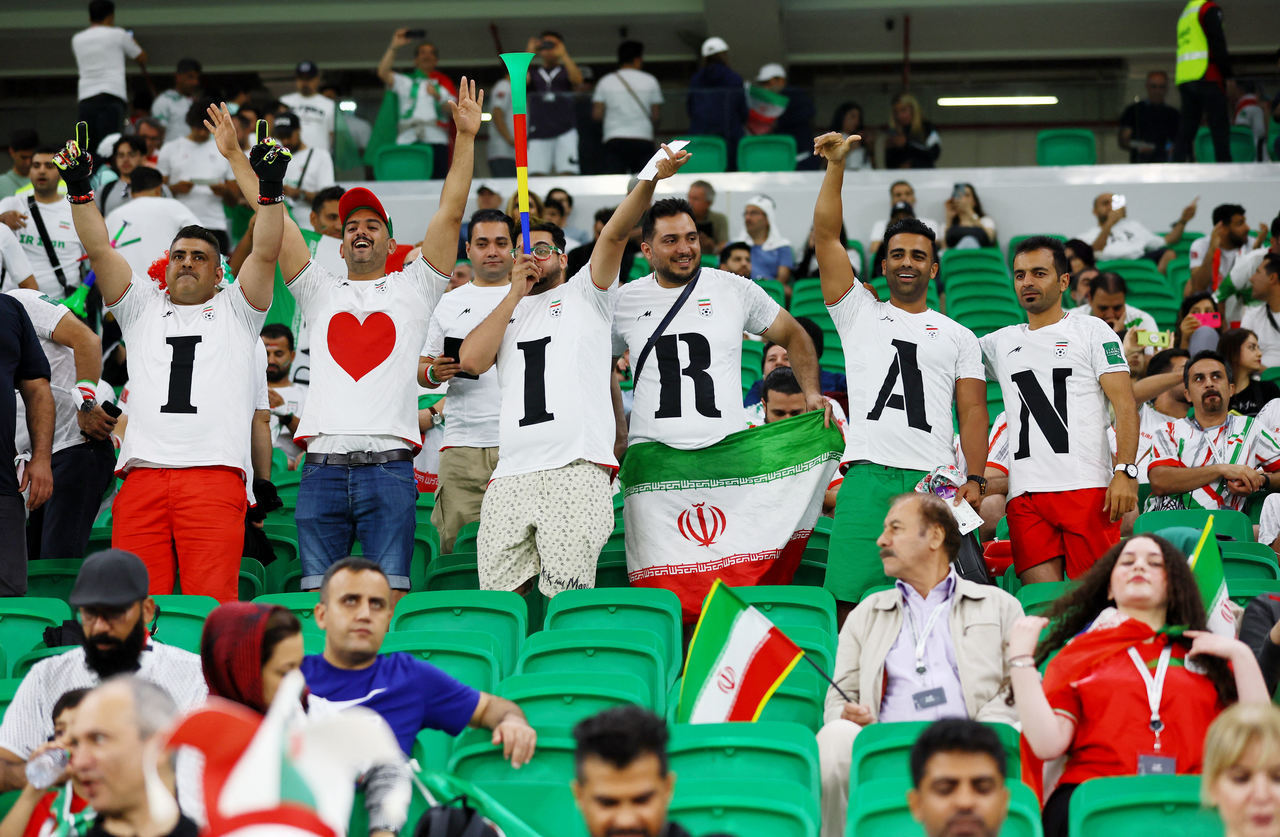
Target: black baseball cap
[(110, 578), (285, 124), (903, 208), (307, 69)]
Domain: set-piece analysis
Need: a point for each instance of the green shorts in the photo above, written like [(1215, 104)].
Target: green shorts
[(853, 561)]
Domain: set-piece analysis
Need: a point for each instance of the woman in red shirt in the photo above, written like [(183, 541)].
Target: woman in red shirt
[(1130, 636)]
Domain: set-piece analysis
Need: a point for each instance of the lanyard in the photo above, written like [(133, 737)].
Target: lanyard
[(1155, 686), (921, 638)]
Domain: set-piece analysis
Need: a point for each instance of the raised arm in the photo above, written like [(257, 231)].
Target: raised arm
[(788, 333), (112, 273), (606, 255), (269, 161), (480, 348), (385, 71), (828, 216), (1048, 733), (440, 246)]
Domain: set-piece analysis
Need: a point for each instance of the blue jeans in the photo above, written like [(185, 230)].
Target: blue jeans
[(340, 504)]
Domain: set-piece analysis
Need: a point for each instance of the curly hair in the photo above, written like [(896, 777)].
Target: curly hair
[(1078, 607)]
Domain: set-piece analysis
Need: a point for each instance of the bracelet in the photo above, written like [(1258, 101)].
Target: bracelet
[(88, 390), (431, 377), (81, 199), (1022, 661), (263, 200)]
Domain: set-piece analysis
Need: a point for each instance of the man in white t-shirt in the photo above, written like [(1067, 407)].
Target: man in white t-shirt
[(285, 397), (470, 450), (15, 268), (1213, 255), (902, 192), (629, 102), (317, 112), (1057, 374), (1109, 301), (1263, 318), (83, 456), (502, 131), (194, 357), (1216, 459), (367, 329), (100, 51), (26, 214), (549, 510), (142, 229), (198, 175), (920, 373), (1117, 236), (420, 97), (310, 170), (171, 106)]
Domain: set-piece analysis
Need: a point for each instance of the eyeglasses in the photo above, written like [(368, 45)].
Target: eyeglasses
[(109, 615), (541, 252)]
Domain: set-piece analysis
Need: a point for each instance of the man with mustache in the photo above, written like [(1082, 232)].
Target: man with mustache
[(926, 649), (285, 396), (958, 769), (1214, 459), (113, 606)]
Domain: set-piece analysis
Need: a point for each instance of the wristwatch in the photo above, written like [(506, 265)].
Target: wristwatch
[(88, 405), (980, 480), (1129, 470)]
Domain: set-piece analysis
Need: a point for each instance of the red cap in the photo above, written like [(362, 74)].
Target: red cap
[(361, 198)]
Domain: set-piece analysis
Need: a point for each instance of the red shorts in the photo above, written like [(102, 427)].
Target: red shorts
[(186, 519), (1053, 524)]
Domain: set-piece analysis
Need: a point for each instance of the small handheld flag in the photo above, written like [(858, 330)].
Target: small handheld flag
[(518, 66), (1206, 566)]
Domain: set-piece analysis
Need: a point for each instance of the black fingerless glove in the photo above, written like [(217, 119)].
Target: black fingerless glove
[(269, 161), (75, 164)]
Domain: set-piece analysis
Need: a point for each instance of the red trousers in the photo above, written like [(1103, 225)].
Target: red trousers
[(187, 521)]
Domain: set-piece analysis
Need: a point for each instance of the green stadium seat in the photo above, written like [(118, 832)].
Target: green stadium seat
[(23, 664), (735, 752), (634, 608), (1066, 147), (880, 752), (775, 289), (981, 258), (1244, 590), (983, 323), (1237, 563), (8, 688), (499, 613), (611, 570), (546, 808), (302, 605), (456, 571), (254, 567), (820, 645), (1239, 140), (709, 154), (1142, 806), (474, 657), (180, 620), (251, 583), (284, 576), (799, 699), (788, 606), (808, 291), (821, 536), (23, 620), (1018, 239), (1036, 598), (52, 578), (776, 809), (404, 162), (640, 268), (810, 573), (564, 698), (602, 652), (767, 152), (476, 759), (1225, 522), (879, 807), (283, 538), (466, 539)]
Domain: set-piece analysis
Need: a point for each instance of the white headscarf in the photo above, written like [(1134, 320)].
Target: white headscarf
[(775, 239)]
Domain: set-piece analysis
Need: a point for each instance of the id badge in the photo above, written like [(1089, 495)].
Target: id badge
[(929, 698), (1153, 765)]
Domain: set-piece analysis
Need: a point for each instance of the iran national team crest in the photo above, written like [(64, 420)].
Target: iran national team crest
[(207, 313), (380, 286), (932, 331), (701, 524), (1060, 348), (704, 308), (554, 308)]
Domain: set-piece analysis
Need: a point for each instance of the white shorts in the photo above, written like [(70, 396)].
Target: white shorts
[(551, 524), (1269, 522), (557, 155)]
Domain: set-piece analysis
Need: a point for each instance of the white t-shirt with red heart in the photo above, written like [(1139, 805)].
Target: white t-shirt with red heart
[(366, 337)]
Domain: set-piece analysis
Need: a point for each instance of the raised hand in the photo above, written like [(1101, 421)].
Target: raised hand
[(1025, 635), (525, 273), (671, 164), (400, 38), (223, 128), (467, 110), (269, 161), (834, 146), (75, 164)]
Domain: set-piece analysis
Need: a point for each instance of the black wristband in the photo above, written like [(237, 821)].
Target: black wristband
[(80, 197), (270, 191)]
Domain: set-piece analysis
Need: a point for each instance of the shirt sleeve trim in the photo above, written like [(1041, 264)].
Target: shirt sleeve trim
[(299, 273), (1166, 462), (433, 268), (250, 304), (120, 298)]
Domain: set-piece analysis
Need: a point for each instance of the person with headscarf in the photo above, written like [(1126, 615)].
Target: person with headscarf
[(771, 256), (246, 650)]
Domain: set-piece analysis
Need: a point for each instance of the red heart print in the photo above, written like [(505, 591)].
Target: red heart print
[(359, 347)]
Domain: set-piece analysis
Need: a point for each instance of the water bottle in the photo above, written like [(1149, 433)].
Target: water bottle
[(45, 770)]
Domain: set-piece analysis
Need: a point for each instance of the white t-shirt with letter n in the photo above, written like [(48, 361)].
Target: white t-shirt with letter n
[(689, 394), (1056, 408), (194, 374), (366, 337), (554, 370), (906, 366), (62, 235), (474, 403)]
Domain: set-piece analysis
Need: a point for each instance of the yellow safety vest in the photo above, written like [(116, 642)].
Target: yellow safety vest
[(1193, 45)]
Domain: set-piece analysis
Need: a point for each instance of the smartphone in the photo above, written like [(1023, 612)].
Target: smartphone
[(1211, 319), (547, 44), (415, 33), (453, 348), (110, 408), (1156, 339), (1117, 201), (958, 192)]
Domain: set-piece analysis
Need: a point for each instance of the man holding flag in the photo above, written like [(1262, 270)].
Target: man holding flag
[(697, 501), (929, 648)]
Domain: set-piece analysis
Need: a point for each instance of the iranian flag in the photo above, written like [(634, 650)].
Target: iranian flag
[(1206, 566), (737, 659), (740, 510), (764, 108)]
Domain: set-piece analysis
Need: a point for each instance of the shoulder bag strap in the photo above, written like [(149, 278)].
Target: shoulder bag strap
[(662, 326), (48, 245)]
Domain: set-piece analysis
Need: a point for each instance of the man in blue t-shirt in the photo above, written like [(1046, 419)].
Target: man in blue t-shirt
[(411, 695)]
